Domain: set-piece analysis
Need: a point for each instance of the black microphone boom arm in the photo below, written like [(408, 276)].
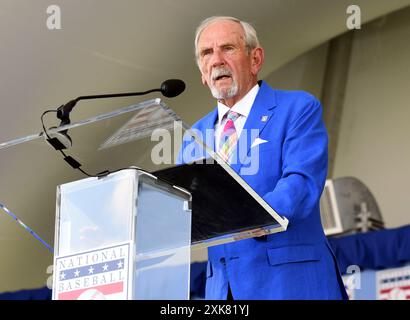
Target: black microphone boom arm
[(169, 88)]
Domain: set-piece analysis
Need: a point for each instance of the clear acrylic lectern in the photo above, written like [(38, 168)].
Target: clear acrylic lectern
[(126, 232)]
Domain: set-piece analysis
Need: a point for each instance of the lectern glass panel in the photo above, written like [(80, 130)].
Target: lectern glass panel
[(163, 238), (126, 235), (94, 212)]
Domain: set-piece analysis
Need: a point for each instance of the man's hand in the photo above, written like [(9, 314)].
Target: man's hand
[(258, 232)]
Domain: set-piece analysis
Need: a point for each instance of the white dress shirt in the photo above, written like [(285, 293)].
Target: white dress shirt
[(243, 107)]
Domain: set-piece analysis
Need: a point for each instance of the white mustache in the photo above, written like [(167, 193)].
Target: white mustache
[(220, 72)]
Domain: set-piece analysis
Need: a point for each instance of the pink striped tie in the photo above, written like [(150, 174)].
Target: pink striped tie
[(229, 136)]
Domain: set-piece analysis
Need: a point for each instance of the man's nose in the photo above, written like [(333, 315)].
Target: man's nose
[(217, 59)]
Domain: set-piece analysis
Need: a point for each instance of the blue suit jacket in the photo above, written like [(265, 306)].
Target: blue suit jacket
[(297, 263)]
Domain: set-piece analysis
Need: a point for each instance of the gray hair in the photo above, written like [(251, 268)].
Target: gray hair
[(251, 39)]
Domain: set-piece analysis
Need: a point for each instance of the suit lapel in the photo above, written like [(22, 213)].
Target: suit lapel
[(209, 124), (261, 113)]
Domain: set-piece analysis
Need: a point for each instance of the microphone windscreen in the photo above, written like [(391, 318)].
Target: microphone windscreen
[(172, 87)]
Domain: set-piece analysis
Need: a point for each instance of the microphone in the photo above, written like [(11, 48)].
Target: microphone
[(172, 88), (169, 88)]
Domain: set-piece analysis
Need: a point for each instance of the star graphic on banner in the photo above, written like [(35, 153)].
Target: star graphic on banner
[(105, 267), (90, 270), (77, 273), (62, 276), (119, 265)]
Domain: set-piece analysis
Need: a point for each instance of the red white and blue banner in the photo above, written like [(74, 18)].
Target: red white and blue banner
[(393, 284), (93, 275)]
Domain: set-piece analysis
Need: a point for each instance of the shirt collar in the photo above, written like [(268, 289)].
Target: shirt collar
[(243, 106)]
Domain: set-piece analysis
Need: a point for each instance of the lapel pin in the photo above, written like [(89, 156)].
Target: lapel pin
[(264, 118)]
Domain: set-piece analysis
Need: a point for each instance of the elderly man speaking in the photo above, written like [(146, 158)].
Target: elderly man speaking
[(292, 168)]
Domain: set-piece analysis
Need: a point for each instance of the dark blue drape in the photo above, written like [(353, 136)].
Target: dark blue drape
[(375, 250)]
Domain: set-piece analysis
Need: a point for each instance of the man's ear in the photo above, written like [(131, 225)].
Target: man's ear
[(204, 80), (258, 57)]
